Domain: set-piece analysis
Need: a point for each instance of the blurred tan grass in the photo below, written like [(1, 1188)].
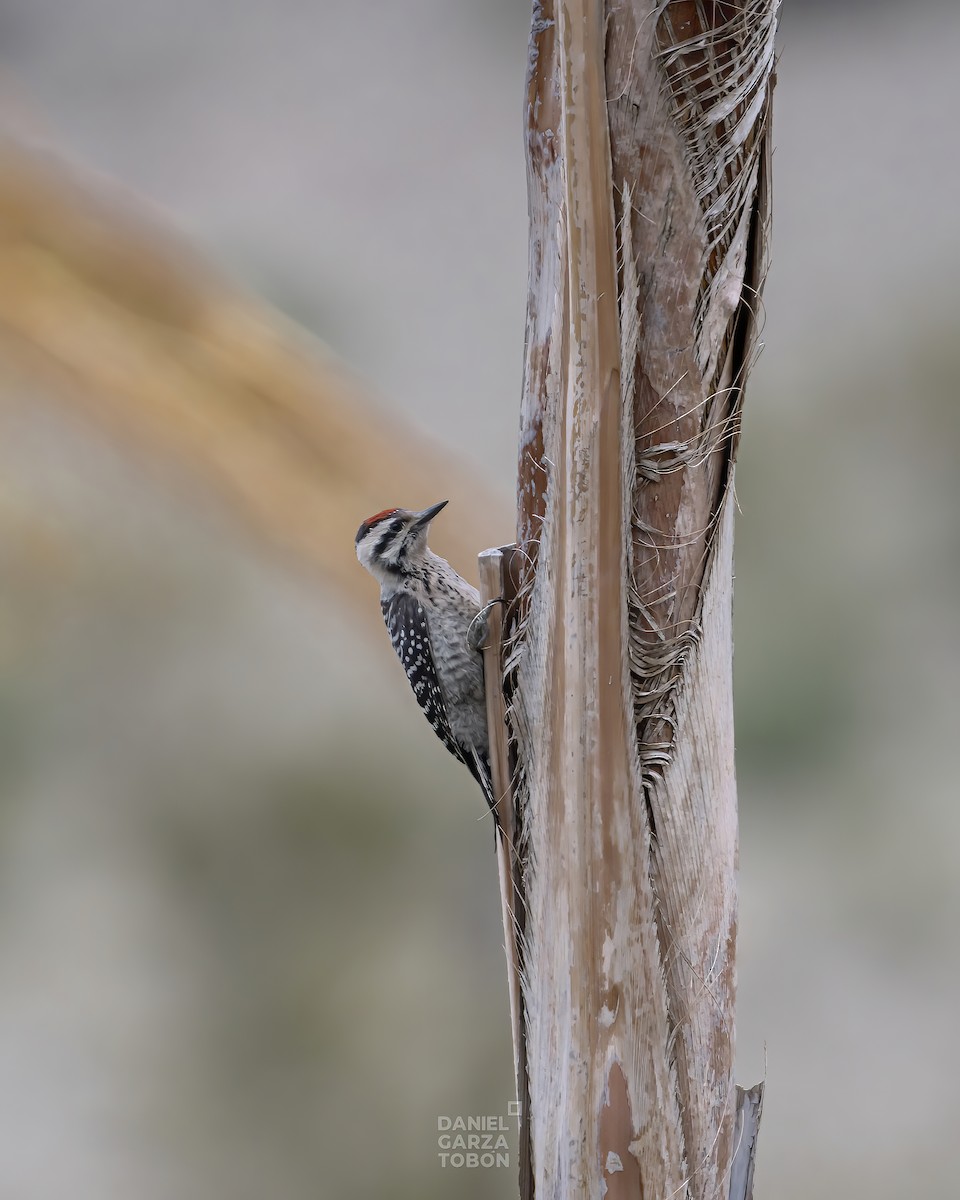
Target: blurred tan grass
[(122, 321)]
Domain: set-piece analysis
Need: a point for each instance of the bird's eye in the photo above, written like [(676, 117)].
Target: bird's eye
[(396, 526)]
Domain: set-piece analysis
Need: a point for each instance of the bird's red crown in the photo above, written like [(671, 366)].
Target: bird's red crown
[(378, 517)]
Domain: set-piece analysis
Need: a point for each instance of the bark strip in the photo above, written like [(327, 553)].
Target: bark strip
[(648, 166)]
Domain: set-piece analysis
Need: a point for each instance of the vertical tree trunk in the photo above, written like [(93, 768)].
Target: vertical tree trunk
[(648, 166)]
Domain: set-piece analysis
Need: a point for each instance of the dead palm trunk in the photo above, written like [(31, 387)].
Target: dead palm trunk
[(648, 171)]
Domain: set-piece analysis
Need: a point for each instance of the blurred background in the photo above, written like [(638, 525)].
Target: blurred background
[(249, 922)]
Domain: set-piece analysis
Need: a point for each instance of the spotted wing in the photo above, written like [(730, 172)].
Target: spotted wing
[(410, 634)]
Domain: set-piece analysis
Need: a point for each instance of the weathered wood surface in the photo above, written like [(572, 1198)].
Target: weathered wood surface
[(746, 1129), (492, 596), (498, 584), (648, 156)]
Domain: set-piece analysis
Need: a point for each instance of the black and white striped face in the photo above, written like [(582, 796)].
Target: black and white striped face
[(390, 542)]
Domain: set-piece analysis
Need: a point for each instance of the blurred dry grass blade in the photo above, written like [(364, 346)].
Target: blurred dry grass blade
[(127, 324), (648, 161)]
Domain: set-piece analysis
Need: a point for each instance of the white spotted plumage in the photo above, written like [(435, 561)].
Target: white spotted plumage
[(433, 618)]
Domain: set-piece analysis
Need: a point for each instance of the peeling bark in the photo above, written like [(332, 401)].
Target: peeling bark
[(648, 166)]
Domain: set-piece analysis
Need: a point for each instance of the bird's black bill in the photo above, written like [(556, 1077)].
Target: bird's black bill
[(425, 517)]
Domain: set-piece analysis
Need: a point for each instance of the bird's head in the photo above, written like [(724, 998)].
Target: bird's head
[(390, 542)]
